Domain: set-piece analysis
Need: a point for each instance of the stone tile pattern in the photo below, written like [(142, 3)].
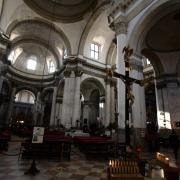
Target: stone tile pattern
[(78, 168)]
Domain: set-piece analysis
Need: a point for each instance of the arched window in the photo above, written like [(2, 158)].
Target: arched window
[(14, 54), (31, 63), (94, 51), (50, 65), (25, 96)]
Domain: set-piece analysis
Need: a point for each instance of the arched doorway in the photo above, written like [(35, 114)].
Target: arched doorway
[(23, 107), (92, 92), (47, 101)]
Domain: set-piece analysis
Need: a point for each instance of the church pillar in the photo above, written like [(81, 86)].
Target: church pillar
[(77, 100), (52, 118), (10, 109), (107, 103), (59, 110), (66, 104), (138, 111), (112, 106), (71, 97), (120, 25)]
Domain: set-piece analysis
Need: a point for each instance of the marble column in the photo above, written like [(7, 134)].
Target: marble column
[(112, 106), (138, 117), (11, 103), (57, 114), (77, 100), (59, 110), (107, 103), (68, 98), (120, 27), (53, 108)]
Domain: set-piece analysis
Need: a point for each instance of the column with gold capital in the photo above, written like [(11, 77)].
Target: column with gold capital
[(120, 26), (77, 102)]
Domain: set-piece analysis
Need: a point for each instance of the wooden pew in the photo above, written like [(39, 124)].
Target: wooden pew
[(53, 147), (123, 170)]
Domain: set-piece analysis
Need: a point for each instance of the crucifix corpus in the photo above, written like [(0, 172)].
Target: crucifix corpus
[(128, 81)]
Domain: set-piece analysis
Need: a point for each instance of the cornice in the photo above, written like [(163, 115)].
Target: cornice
[(119, 25)]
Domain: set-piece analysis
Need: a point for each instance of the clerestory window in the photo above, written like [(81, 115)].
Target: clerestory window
[(31, 63), (95, 51)]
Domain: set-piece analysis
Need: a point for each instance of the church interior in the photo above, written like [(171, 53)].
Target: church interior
[(89, 90)]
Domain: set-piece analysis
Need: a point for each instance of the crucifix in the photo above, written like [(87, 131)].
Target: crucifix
[(128, 81)]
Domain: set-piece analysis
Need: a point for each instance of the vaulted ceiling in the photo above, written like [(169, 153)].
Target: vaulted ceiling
[(62, 10)]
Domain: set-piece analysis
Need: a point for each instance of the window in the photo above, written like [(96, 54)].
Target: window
[(14, 55), (65, 53), (94, 51), (50, 65), (25, 97), (31, 63), (148, 62)]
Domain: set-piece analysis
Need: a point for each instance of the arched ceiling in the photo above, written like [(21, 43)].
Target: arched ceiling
[(101, 34), (164, 36), (29, 49), (42, 31), (62, 10), (40, 39)]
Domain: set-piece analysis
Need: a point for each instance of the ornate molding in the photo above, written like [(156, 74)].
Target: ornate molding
[(78, 72), (136, 65), (67, 72), (119, 27)]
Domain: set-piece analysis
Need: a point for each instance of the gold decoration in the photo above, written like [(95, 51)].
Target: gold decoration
[(130, 96), (127, 53), (110, 71)]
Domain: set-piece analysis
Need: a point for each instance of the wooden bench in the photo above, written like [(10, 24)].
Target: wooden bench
[(124, 170), (58, 148), (171, 171)]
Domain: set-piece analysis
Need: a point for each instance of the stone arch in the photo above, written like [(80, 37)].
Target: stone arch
[(26, 88), (88, 26), (56, 29), (98, 84), (91, 90), (34, 39), (155, 61), (152, 15), (111, 55)]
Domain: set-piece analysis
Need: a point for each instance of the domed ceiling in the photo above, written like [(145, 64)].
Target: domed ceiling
[(164, 36), (62, 10)]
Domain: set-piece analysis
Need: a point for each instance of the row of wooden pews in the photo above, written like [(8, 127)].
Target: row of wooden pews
[(55, 146), (95, 146)]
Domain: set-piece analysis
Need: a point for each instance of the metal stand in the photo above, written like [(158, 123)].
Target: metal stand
[(33, 169)]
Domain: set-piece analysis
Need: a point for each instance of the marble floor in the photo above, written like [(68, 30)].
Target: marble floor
[(78, 168)]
